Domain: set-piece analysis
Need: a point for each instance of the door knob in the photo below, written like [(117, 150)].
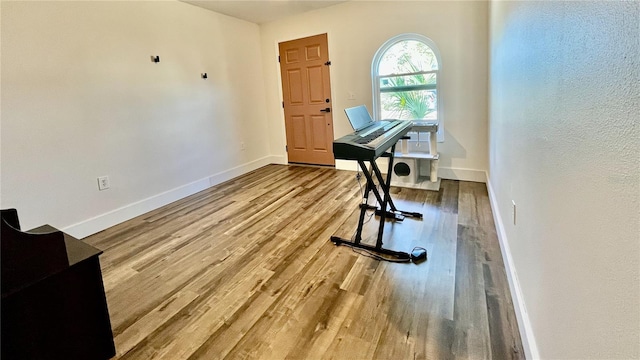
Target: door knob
[(328, 110)]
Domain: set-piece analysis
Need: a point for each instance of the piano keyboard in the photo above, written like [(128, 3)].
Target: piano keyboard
[(372, 145), (370, 137)]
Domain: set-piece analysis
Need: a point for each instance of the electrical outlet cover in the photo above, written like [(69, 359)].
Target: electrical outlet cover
[(103, 183)]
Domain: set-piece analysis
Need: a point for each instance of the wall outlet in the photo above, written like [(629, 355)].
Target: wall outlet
[(513, 211), (103, 183), (242, 146)]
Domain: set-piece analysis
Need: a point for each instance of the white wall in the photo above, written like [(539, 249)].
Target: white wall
[(564, 145), (355, 32), (81, 99)]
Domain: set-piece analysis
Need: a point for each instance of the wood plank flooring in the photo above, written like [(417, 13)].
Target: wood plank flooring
[(245, 270)]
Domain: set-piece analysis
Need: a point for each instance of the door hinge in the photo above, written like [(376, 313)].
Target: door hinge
[(278, 58), (283, 104), (286, 148), (328, 63)]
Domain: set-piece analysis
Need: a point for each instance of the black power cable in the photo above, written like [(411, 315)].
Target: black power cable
[(418, 255)]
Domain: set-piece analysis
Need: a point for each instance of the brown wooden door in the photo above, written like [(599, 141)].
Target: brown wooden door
[(306, 91)]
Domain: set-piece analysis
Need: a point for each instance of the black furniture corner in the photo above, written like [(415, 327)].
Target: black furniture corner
[(53, 299)]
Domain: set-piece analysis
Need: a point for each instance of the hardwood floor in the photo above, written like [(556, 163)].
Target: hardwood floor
[(246, 270)]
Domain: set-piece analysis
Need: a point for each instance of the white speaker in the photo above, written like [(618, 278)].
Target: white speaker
[(405, 171)]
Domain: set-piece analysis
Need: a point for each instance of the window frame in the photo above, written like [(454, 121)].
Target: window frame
[(375, 76)]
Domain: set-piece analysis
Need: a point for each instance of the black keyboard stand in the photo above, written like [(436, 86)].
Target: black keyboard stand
[(384, 214)]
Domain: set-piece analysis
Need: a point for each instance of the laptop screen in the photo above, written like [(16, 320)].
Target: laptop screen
[(358, 117)]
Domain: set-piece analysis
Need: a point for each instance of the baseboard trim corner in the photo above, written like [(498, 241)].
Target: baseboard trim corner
[(278, 159)]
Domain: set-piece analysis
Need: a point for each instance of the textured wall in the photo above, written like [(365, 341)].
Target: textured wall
[(81, 99), (564, 145)]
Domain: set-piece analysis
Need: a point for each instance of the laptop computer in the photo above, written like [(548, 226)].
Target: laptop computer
[(361, 120)]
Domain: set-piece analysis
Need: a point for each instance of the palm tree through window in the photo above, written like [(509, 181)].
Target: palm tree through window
[(405, 73)]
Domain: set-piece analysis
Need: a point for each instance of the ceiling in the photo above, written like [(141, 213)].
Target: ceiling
[(261, 11)]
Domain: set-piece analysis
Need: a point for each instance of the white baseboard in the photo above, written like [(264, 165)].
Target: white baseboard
[(473, 175), (524, 324), (443, 172), (127, 212), (278, 159)]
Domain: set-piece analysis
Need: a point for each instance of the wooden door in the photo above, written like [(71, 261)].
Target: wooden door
[(306, 87)]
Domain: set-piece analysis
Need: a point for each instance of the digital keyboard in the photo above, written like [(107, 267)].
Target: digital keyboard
[(369, 144)]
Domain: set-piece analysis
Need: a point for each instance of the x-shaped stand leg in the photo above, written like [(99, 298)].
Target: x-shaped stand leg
[(382, 212)]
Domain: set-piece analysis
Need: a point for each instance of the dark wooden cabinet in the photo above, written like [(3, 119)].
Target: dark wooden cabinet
[(58, 310)]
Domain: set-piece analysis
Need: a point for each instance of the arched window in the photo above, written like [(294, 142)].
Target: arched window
[(406, 74)]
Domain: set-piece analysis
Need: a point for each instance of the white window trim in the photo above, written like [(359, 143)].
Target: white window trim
[(375, 77)]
